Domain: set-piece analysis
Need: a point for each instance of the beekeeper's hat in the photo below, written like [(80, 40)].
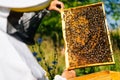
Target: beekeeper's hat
[(24, 5)]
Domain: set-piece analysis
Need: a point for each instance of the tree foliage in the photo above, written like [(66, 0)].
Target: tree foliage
[(51, 24)]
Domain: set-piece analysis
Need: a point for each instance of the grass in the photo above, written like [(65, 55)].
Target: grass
[(49, 54)]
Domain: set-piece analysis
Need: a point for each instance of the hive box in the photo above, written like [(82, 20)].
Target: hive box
[(86, 36), (102, 75)]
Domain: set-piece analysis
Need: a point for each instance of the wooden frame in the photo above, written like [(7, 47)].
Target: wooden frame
[(67, 47)]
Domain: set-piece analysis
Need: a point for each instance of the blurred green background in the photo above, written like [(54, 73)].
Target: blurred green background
[(49, 50)]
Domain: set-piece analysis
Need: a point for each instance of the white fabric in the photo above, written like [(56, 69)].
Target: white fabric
[(28, 58), (12, 66), (4, 12), (58, 77), (22, 3)]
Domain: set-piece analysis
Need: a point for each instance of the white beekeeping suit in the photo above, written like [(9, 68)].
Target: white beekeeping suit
[(16, 61)]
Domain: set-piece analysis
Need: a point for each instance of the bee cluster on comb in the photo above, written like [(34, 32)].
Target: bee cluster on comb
[(86, 36)]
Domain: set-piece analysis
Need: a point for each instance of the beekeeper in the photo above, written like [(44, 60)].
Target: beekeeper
[(16, 60)]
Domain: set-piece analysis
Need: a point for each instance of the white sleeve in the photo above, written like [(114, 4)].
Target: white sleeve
[(12, 66), (58, 77)]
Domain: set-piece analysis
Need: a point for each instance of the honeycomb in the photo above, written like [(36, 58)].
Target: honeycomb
[(86, 36)]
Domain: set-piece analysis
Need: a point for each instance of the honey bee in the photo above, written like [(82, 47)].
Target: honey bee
[(86, 36)]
